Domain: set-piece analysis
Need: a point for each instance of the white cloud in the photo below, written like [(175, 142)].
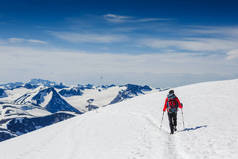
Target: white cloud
[(116, 18), (224, 31), (24, 63), (150, 19), (191, 44), (21, 40), (89, 38), (15, 40), (122, 19), (36, 41), (233, 54)]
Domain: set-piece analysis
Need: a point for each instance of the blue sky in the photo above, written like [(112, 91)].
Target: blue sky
[(159, 43)]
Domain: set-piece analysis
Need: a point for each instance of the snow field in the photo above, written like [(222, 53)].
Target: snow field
[(131, 129)]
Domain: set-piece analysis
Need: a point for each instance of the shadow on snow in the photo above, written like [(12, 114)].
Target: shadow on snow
[(195, 128)]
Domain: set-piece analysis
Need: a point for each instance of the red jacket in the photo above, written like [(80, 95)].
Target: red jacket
[(166, 104)]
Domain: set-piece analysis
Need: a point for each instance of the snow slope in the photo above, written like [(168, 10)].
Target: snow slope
[(130, 129), (40, 99), (101, 98)]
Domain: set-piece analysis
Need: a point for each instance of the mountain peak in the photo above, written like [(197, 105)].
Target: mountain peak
[(38, 81)]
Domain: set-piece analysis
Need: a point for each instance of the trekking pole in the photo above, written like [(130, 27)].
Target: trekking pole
[(162, 120), (183, 118)]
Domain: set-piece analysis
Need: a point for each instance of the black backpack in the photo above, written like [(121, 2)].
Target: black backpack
[(172, 104)]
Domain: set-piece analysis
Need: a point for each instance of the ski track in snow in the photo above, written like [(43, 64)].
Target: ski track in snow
[(169, 142), (144, 149), (131, 130)]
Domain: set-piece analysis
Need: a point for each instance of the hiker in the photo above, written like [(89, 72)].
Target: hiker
[(171, 104)]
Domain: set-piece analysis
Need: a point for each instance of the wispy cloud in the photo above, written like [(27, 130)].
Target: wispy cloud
[(15, 40), (111, 62), (88, 66), (199, 39), (116, 18), (36, 41), (89, 38), (226, 31), (21, 40), (122, 19), (191, 44), (233, 54)]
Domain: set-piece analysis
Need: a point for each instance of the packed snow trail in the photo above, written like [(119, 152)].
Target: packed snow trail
[(131, 129)]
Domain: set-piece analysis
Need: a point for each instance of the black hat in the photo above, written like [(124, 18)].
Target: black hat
[(171, 92)]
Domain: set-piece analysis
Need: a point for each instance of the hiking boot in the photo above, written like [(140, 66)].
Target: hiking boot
[(172, 132)]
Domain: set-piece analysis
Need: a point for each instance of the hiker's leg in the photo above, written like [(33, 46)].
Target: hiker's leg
[(170, 116), (175, 119)]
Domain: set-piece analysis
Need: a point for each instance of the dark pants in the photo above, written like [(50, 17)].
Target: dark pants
[(172, 121)]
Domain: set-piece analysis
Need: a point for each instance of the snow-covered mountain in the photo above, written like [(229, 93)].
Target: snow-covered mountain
[(41, 82), (19, 119), (22, 104), (11, 85), (47, 98), (75, 91), (58, 97), (2, 93), (131, 129), (24, 125), (130, 92), (6, 134)]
